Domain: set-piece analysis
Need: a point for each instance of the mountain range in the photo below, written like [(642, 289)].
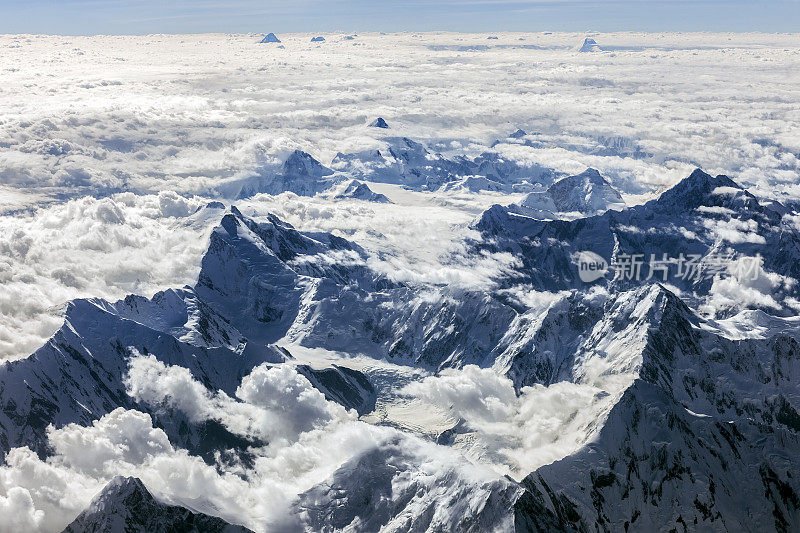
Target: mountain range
[(694, 425)]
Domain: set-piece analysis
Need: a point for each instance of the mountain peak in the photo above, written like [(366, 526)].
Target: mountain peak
[(127, 484), (379, 123), (125, 504), (695, 190), (300, 163), (361, 191), (587, 192), (593, 175), (590, 45), (270, 38)]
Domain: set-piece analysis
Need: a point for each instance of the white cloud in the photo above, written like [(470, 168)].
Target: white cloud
[(147, 128), (747, 284), (107, 247), (18, 511), (277, 404), (230, 106), (734, 230), (124, 442), (516, 434)]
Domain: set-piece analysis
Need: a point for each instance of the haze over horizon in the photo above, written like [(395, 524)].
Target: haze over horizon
[(92, 17)]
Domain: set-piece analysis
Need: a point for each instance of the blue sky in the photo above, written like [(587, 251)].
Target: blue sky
[(183, 16)]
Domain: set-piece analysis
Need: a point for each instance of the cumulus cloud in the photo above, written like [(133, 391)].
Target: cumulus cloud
[(106, 247), (120, 437), (18, 511), (317, 437), (516, 434), (276, 403), (512, 434), (747, 284), (58, 493), (734, 230)]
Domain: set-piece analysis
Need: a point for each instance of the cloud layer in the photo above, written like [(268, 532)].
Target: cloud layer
[(186, 112)]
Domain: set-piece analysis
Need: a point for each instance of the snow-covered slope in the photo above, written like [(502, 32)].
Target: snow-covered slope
[(360, 191), (706, 437), (394, 489), (590, 45), (300, 174), (125, 504), (587, 193), (410, 163)]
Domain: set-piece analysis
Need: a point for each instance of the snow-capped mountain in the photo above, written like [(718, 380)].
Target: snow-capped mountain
[(270, 38), (410, 163), (379, 123), (590, 45), (710, 219), (403, 161), (247, 297), (360, 191), (300, 174), (125, 504), (682, 434), (692, 420), (587, 193), (704, 413)]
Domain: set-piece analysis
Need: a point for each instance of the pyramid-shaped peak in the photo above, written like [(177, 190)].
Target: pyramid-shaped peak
[(593, 175), (695, 190), (518, 134), (589, 176), (270, 38), (379, 123), (302, 163), (119, 492), (125, 504), (700, 179), (317, 39), (587, 192), (361, 191), (699, 182), (590, 45), (125, 485)]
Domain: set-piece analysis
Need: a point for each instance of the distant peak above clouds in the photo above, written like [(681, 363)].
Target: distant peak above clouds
[(590, 45), (587, 193), (379, 123), (270, 38)]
